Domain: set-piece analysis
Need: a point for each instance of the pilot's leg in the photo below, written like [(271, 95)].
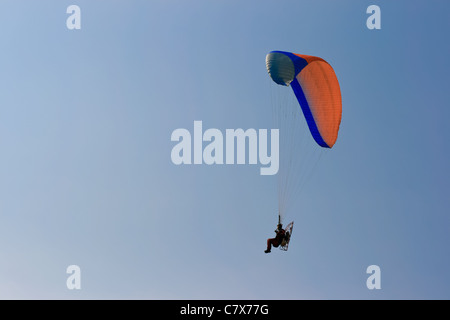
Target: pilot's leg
[(269, 245)]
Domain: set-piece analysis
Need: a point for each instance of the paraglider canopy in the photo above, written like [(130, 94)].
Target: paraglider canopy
[(317, 90)]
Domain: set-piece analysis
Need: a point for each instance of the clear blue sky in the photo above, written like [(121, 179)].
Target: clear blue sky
[(86, 176)]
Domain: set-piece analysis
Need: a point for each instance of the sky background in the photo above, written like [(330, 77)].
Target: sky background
[(86, 176)]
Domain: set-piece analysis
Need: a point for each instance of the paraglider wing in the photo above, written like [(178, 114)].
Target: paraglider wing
[(317, 90)]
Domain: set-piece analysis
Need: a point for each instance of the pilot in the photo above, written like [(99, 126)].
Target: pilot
[(280, 235)]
